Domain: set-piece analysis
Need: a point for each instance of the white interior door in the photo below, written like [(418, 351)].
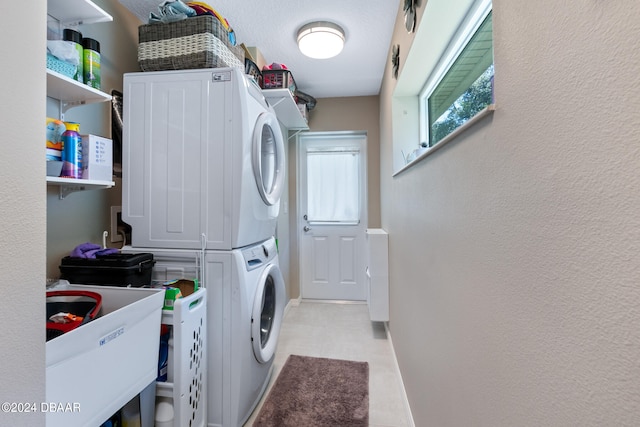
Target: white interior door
[(333, 215)]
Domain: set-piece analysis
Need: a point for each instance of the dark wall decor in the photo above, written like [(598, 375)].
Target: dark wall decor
[(395, 60)]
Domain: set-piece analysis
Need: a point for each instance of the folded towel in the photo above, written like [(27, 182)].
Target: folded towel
[(171, 11)]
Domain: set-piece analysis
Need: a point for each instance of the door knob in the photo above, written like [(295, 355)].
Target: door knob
[(306, 228)]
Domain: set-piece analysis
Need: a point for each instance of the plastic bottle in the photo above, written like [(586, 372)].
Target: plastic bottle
[(91, 62), (164, 412), (130, 413), (163, 357), (74, 37), (71, 151), (170, 359)]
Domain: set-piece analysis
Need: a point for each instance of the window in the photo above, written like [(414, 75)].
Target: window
[(333, 186), (446, 80), (463, 83)]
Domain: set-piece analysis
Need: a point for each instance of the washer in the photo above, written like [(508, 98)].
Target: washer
[(245, 305), (254, 329), (203, 160)]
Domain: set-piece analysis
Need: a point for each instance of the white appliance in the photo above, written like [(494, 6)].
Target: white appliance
[(245, 305), (378, 274), (203, 160)]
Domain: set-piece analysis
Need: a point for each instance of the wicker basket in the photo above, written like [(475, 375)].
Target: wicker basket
[(198, 42)]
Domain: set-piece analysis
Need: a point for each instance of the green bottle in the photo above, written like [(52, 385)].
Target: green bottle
[(91, 63)]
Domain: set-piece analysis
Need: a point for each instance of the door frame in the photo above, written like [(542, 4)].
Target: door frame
[(299, 222)]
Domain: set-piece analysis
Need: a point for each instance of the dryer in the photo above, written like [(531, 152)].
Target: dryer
[(245, 306), (203, 160)]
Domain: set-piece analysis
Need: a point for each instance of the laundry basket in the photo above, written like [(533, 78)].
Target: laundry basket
[(186, 382)]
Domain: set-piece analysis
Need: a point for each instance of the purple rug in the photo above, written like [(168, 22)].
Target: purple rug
[(313, 391)]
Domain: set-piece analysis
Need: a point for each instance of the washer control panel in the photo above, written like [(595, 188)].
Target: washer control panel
[(260, 254)]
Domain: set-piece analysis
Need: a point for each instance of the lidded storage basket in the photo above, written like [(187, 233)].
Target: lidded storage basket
[(196, 42)]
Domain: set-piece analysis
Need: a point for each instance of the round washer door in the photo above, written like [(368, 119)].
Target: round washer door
[(268, 158), (266, 317)]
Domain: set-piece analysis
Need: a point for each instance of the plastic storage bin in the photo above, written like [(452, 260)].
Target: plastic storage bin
[(115, 269), (99, 367), (251, 69), (278, 79)]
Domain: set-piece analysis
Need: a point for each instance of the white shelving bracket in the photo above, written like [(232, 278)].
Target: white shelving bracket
[(277, 102), (65, 190), (294, 134), (68, 185), (286, 109), (67, 105)]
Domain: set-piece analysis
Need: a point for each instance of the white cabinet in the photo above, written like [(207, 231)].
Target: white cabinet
[(69, 92), (378, 274), (175, 164)]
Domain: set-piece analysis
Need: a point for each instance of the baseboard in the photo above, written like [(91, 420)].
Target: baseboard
[(293, 302), (333, 301), (405, 400)]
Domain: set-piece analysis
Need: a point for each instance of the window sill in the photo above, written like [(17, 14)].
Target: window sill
[(481, 114)]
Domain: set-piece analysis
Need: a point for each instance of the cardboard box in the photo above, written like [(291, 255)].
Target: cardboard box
[(176, 289), (97, 158), (256, 56)]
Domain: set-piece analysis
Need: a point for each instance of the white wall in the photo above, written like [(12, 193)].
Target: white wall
[(22, 209), (514, 250)]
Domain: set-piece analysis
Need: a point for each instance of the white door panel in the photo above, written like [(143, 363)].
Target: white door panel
[(320, 258)]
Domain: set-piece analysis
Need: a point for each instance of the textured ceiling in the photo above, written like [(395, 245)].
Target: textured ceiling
[(272, 27)]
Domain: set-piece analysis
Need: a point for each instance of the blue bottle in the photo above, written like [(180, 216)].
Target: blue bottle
[(71, 152)]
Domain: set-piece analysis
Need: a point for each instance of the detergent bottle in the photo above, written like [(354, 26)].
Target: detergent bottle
[(71, 151)]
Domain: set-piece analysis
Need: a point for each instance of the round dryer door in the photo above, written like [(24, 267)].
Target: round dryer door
[(268, 158), (266, 317)]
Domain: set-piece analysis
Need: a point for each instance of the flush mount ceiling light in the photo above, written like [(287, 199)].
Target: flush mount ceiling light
[(320, 40)]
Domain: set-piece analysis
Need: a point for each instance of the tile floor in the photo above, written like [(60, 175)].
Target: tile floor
[(344, 331)]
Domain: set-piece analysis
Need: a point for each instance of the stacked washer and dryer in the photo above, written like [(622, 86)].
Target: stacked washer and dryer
[(203, 171)]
